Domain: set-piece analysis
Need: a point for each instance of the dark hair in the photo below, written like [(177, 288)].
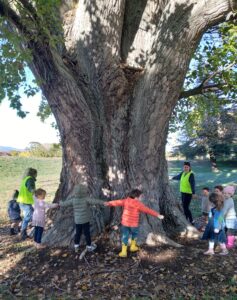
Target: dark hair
[(40, 192), (187, 163), (135, 193), (15, 194), (217, 200), (219, 187), (206, 188), (31, 172)]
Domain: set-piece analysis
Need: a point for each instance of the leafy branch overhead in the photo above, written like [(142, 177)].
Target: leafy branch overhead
[(212, 69), (211, 82), (21, 24)]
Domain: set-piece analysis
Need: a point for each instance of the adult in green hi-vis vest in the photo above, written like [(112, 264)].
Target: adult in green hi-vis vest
[(25, 199), (187, 189)]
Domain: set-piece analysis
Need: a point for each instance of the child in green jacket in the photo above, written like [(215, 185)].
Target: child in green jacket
[(81, 211)]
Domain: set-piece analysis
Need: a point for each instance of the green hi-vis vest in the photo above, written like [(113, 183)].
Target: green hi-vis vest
[(25, 196), (185, 186)]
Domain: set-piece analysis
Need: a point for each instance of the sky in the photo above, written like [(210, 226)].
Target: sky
[(17, 132)]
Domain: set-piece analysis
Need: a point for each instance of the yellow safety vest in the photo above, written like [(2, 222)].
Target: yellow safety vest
[(25, 196), (185, 186)]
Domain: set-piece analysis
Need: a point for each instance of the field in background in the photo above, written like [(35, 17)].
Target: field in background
[(12, 170), (227, 175)]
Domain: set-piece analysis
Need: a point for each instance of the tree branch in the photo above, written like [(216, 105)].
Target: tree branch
[(201, 90), (204, 87), (10, 14), (30, 8)]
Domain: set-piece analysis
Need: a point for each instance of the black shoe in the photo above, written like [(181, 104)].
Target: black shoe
[(12, 231)]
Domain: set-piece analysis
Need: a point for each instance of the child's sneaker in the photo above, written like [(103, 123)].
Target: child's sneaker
[(224, 252), (76, 248), (92, 247), (12, 231), (40, 246), (209, 252)]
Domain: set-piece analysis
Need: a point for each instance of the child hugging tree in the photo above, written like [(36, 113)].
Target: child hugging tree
[(81, 210), (132, 207)]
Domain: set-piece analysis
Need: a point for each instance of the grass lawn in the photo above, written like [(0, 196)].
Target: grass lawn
[(12, 170)]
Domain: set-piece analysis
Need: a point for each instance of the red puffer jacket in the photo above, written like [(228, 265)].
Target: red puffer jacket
[(132, 210)]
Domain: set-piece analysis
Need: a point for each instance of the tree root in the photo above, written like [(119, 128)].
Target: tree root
[(155, 239)]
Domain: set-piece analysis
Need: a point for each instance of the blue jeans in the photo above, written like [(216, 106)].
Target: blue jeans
[(127, 231), (38, 234), (27, 214)]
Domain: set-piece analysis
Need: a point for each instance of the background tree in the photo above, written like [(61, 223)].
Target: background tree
[(206, 109), (210, 133), (112, 72)]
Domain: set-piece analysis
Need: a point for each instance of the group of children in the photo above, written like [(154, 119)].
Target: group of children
[(38, 218), (132, 207), (219, 213), (217, 209)]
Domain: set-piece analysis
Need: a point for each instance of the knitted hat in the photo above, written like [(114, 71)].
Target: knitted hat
[(229, 190)]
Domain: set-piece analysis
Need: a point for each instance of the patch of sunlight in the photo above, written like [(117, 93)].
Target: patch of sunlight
[(115, 174), (161, 257), (8, 265)]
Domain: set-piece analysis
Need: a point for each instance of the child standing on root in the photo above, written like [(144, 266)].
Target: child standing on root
[(38, 219), (81, 211), (132, 207), (215, 229), (14, 213), (230, 215)]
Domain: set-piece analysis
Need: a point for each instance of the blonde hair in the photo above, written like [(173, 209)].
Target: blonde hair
[(40, 192)]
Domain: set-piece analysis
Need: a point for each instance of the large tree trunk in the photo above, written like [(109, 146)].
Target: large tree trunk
[(112, 90)]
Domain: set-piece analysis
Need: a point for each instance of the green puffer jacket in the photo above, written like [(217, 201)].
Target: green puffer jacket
[(81, 204)]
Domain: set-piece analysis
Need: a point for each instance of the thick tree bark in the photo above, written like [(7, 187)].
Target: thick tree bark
[(112, 89)]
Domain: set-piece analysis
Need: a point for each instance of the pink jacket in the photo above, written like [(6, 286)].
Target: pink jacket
[(38, 218)]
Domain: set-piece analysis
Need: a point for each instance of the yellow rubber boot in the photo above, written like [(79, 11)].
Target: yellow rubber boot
[(123, 253), (134, 247)]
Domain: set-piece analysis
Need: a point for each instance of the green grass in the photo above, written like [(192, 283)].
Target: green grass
[(204, 177), (12, 170)]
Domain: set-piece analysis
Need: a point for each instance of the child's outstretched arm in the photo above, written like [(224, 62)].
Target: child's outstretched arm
[(94, 201), (115, 203), (143, 208), (51, 205), (66, 203)]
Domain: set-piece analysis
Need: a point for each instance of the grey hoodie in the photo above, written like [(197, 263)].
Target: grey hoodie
[(81, 204)]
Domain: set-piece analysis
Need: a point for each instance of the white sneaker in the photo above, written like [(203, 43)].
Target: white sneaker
[(76, 248), (91, 248), (224, 252)]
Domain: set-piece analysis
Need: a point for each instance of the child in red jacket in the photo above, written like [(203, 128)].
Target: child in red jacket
[(130, 219)]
